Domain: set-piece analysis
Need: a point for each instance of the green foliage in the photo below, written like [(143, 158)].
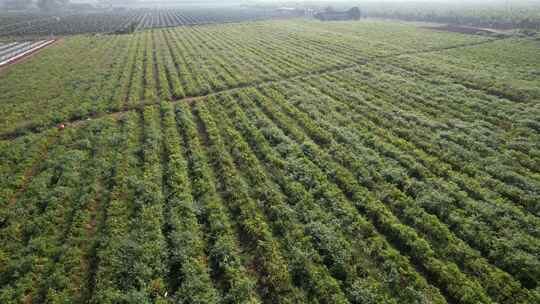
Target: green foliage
[(272, 162)]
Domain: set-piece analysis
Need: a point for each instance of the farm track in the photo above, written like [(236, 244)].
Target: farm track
[(79, 121)]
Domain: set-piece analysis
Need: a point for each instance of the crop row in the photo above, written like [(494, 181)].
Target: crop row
[(71, 23), (266, 194), (497, 284), (48, 230), (184, 62)]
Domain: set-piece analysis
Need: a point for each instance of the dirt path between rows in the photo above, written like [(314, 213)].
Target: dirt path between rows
[(34, 168)]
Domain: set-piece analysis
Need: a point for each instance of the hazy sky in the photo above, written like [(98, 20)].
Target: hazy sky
[(329, 1), (355, 1)]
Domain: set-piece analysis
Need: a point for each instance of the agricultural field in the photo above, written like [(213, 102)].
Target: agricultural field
[(17, 24), (277, 161)]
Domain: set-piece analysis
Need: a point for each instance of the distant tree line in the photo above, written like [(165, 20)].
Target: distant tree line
[(498, 18)]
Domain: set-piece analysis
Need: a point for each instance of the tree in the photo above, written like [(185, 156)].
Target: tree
[(355, 13)]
